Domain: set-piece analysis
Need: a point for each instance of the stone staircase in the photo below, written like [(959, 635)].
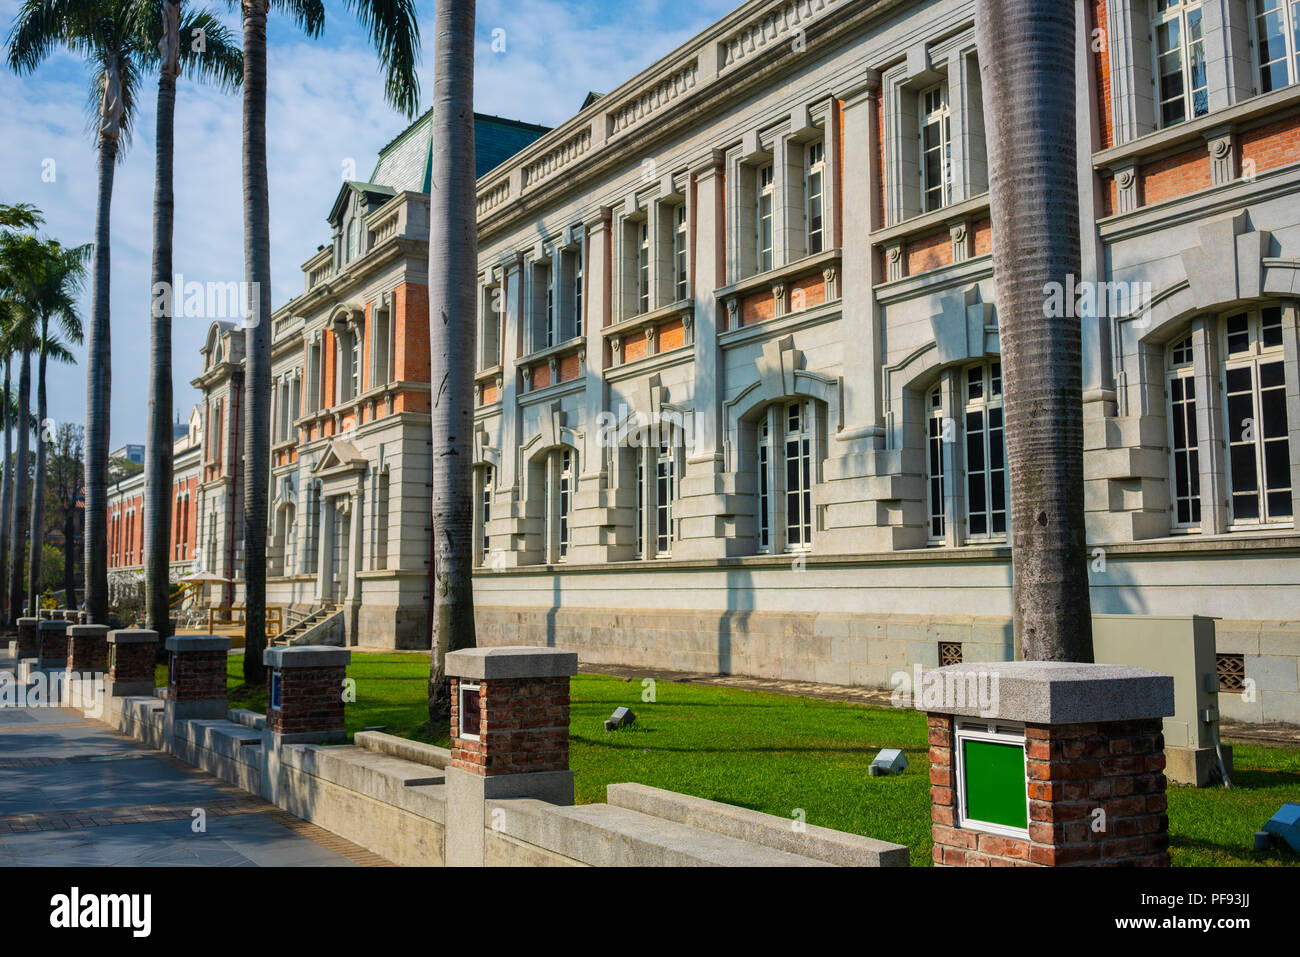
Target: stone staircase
[(302, 632)]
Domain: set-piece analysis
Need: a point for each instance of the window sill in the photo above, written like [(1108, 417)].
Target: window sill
[(932, 221), (772, 277)]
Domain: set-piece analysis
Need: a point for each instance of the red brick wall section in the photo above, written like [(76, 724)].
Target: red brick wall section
[(1099, 43), (983, 230), (133, 662), (672, 335), (757, 308), (87, 653), (197, 676), (53, 644), (311, 700), (28, 642), (1073, 770), (1175, 176), (569, 367), (807, 292), (931, 252), (523, 727), (1271, 146)]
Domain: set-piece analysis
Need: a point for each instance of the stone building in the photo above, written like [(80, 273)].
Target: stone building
[(739, 393)]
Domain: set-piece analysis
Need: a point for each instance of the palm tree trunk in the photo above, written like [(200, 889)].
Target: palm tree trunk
[(99, 376), (38, 481), (19, 523), (6, 495), (158, 438), (453, 264), (257, 341), (1026, 54)]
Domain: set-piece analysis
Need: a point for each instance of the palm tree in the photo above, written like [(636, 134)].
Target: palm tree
[(393, 30), (1026, 55), (21, 263), (54, 297), (8, 311), (453, 264), (107, 33), (221, 62), (20, 216)]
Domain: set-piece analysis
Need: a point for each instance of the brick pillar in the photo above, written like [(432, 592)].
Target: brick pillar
[(132, 654), (87, 649), (52, 648), (509, 737), (45, 614), (28, 643), (196, 676), (305, 692), (1061, 764)]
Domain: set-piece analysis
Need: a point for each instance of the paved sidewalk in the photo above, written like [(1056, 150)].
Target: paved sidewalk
[(75, 793)]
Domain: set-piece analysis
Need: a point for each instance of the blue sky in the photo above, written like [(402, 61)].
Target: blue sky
[(325, 107)]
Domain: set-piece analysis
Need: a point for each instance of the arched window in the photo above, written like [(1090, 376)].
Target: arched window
[(788, 460)]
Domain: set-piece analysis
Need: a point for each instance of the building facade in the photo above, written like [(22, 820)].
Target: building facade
[(126, 513), (739, 393)]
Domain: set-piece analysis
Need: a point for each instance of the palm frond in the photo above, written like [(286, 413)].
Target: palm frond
[(395, 32)]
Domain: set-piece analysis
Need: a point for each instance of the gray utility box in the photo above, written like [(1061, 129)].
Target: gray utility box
[(1184, 648)]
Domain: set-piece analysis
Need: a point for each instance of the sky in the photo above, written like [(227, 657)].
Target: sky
[(325, 110)]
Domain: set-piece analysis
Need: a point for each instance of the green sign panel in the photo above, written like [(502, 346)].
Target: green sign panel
[(995, 783)]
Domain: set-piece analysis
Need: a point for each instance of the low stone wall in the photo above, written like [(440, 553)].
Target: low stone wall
[(849, 649)]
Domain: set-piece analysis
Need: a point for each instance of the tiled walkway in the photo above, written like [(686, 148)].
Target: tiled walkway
[(75, 793)]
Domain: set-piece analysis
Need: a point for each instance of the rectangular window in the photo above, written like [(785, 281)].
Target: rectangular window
[(798, 476), (1178, 45), (356, 364), (935, 465), (549, 278), (665, 490), (1277, 43), (986, 473), (485, 513), (814, 178), (566, 498), (469, 711), (1259, 462), (680, 263), (640, 503), (1183, 438), (643, 267), (578, 263), (936, 149), (766, 201), (764, 487)]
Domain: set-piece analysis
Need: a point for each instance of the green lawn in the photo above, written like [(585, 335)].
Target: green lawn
[(785, 755)]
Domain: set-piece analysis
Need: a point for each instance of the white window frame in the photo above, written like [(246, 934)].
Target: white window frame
[(1256, 356), (665, 491), (815, 198), (579, 265), (764, 489), (1177, 12), (1181, 373), (461, 688), (484, 517), (764, 217), (995, 732), (643, 252), (1289, 11), (936, 498), (985, 404), (681, 257), (941, 116)]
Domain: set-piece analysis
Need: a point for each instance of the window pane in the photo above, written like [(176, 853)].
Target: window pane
[(1238, 334)]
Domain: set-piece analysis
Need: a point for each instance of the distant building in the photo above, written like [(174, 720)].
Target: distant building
[(132, 453)]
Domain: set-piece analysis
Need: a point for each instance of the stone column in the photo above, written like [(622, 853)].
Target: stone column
[(305, 692), (509, 737), (131, 657), (52, 648), (859, 268), (1054, 764), (196, 677)]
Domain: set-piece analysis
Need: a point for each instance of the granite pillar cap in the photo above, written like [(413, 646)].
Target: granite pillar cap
[(307, 656), (1046, 692), (51, 624), (132, 636), (184, 643), (27, 618), (87, 631), (520, 661)]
